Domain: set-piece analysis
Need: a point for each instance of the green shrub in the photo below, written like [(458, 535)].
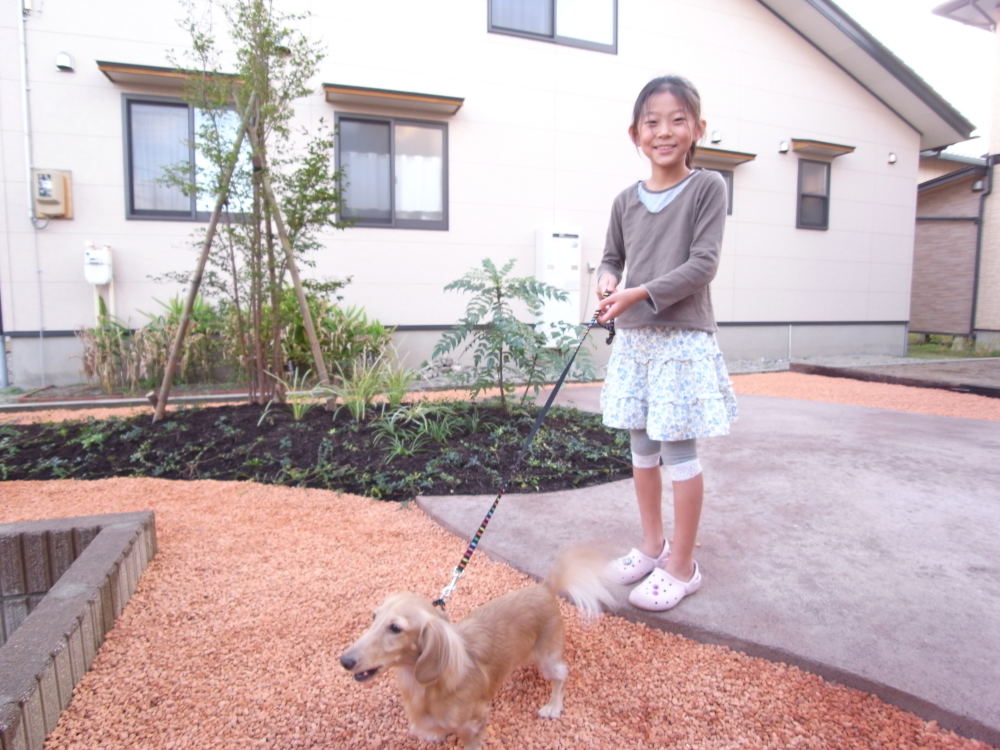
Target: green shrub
[(119, 359), (505, 350), (206, 352), (346, 334), (368, 378)]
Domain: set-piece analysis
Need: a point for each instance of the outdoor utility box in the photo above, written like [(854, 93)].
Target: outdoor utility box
[(51, 191), (558, 261), (97, 264)]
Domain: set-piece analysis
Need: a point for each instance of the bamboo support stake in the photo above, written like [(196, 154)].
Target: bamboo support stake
[(160, 399)]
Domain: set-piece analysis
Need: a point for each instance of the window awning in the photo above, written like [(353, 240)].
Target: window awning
[(338, 93), (978, 13), (720, 158), (820, 149), (150, 75)]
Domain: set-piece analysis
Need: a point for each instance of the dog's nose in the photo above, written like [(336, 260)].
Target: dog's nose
[(348, 662)]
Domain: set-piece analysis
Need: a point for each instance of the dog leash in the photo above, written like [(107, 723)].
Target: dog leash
[(525, 447)]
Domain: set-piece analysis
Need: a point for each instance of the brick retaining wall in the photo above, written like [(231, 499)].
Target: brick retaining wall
[(63, 583)]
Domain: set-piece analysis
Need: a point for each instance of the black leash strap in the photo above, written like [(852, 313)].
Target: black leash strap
[(525, 447)]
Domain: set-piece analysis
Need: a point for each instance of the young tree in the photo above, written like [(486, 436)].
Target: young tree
[(279, 188)]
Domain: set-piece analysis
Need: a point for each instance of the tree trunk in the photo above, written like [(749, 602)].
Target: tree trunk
[(318, 361)]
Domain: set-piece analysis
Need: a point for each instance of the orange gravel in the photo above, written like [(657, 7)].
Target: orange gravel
[(879, 395), (232, 637)]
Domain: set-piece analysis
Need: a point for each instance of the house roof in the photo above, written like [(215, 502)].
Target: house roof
[(872, 65), (978, 13), (951, 178)]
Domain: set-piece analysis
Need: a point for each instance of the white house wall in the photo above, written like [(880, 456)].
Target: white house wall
[(539, 142)]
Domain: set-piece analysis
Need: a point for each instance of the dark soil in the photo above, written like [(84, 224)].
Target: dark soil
[(427, 448)]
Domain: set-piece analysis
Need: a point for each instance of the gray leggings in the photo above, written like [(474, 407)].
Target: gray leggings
[(679, 456)]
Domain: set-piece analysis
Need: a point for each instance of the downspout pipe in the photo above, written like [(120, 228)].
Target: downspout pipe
[(24, 11), (22, 16), (4, 377), (991, 160)]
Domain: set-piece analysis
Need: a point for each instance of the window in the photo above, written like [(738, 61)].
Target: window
[(814, 195), (579, 23), (727, 175), (395, 171), (161, 134)]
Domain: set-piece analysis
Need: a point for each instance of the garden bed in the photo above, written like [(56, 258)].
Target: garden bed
[(395, 454)]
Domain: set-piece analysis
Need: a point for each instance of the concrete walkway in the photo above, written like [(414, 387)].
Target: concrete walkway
[(860, 544)]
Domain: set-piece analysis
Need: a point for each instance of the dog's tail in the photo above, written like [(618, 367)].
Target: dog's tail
[(580, 573)]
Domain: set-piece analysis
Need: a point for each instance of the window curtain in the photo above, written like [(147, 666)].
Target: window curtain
[(367, 194), (532, 16), (364, 159), (419, 165), (159, 135), (419, 187)]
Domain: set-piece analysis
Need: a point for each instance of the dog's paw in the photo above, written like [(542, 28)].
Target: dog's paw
[(426, 736), (550, 711)]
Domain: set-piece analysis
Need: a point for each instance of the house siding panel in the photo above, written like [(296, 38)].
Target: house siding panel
[(539, 142)]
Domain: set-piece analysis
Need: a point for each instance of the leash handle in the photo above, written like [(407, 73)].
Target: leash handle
[(609, 326)]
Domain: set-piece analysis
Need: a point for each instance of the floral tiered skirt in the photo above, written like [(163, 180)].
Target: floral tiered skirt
[(671, 382)]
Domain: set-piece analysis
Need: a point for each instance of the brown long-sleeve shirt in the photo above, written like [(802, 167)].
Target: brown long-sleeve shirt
[(673, 253)]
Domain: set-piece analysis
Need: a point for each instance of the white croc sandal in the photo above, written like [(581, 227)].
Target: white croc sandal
[(635, 565), (661, 591)]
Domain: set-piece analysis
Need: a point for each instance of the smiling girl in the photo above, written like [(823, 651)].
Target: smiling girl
[(667, 381)]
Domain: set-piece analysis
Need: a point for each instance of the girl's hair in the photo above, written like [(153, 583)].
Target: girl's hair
[(684, 91)]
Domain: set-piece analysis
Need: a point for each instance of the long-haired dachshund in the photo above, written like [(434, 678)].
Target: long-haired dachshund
[(448, 673)]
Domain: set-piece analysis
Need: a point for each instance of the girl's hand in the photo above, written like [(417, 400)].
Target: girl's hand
[(606, 285), (616, 303)]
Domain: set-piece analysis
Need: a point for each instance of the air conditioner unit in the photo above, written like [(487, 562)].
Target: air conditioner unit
[(559, 262)]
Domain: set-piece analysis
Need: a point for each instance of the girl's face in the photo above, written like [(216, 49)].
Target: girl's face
[(664, 133)]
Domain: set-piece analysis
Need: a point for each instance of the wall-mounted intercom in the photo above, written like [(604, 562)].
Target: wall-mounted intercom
[(52, 192)]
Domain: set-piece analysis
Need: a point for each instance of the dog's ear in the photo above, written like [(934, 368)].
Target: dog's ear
[(433, 645)]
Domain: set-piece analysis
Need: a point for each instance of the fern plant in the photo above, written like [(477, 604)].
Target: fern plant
[(504, 349)]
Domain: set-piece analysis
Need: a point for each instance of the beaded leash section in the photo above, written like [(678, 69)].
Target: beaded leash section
[(525, 447)]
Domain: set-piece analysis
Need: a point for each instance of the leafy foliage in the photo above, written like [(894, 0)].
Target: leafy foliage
[(504, 349), (370, 377), (346, 334), (274, 63), (122, 360)]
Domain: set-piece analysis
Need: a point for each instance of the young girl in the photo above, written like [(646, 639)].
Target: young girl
[(666, 381)]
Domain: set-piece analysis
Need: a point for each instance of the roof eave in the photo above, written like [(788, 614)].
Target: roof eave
[(827, 27), (971, 12)]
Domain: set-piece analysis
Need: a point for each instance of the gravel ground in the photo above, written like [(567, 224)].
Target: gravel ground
[(232, 638)]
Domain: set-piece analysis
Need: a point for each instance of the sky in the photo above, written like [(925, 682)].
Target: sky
[(954, 65)]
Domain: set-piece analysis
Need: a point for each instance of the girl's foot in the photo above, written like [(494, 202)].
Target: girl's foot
[(636, 565), (661, 591)]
